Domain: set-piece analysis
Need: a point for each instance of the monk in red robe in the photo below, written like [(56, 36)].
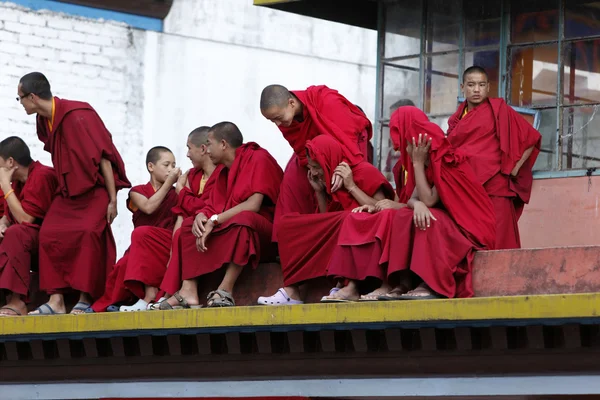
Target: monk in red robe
[(432, 236), (29, 187), (77, 248), (305, 256), (502, 148), (238, 231), (301, 116), (194, 188), (138, 273)]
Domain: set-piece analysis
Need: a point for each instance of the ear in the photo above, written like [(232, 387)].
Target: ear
[(150, 167)]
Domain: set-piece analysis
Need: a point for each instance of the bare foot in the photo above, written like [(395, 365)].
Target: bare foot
[(56, 303), (345, 293), (421, 291), (374, 295), (396, 293), (14, 308), (189, 298)]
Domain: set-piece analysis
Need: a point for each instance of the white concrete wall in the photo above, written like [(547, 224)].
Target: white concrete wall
[(210, 64)]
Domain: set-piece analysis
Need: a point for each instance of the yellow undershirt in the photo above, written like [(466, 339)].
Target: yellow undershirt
[(464, 112), (202, 184), (51, 121)]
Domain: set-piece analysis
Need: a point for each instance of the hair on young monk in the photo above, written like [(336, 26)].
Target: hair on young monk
[(274, 95), (36, 83), (476, 69), (402, 103), (199, 136), (154, 154), (229, 132), (16, 148)]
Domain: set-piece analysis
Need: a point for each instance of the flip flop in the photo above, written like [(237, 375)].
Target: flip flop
[(428, 297), (392, 295), (371, 296), (80, 306), (327, 299), (45, 309), (16, 313)]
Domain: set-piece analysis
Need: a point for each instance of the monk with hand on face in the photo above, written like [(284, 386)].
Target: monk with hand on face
[(30, 187)]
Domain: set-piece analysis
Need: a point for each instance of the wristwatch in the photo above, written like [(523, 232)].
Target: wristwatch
[(215, 219)]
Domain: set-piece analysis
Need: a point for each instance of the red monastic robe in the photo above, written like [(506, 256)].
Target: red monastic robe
[(144, 262), (190, 202), (325, 112), (441, 255), (244, 239), (19, 247), (494, 137), (305, 253), (77, 248)]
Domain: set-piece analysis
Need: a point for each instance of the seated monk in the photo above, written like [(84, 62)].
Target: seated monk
[(140, 270), (238, 231), (29, 187), (193, 188), (432, 237), (302, 115), (77, 248), (305, 256)]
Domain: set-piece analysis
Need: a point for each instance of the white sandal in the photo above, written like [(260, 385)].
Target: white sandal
[(280, 298)]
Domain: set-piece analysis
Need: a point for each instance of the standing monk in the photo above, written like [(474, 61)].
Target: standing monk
[(139, 271), (502, 148), (27, 199), (303, 115), (238, 231), (77, 248), (194, 188)]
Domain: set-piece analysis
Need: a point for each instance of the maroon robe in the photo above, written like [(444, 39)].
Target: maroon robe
[(325, 112), (305, 256), (141, 260), (189, 204), (442, 254), (77, 248), (19, 247), (494, 137), (244, 239)]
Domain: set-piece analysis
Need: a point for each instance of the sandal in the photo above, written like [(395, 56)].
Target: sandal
[(14, 313), (280, 298), (373, 296), (45, 309), (225, 299), (394, 294), (80, 308), (422, 288), (183, 304)]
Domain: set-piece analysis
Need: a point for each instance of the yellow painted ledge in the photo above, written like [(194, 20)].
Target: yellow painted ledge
[(476, 309)]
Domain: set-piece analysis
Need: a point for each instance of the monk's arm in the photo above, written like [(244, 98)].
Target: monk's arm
[(425, 193), (178, 223), (322, 201), (4, 221), (149, 205), (364, 199), (524, 158), (252, 204), (109, 179), (17, 210)]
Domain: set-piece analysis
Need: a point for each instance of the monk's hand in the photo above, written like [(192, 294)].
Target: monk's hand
[(182, 182), (420, 149), (3, 229), (336, 183), (316, 184), (198, 225), (201, 242), (366, 208), (422, 216), (345, 172), (6, 175), (111, 211), (387, 204), (173, 176)]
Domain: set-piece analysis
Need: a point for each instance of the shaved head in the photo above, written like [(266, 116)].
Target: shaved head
[(475, 69), (154, 154), (36, 83), (274, 96), (229, 132), (16, 148), (199, 136)]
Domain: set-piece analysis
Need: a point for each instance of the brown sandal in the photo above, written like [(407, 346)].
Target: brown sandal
[(183, 304), (225, 299)]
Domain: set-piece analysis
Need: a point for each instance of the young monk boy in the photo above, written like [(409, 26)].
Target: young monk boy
[(77, 249), (194, 188), (302, 115), (140, 270), (305, 256), (29, 187), (234, 229)]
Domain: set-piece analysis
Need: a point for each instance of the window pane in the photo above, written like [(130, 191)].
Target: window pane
[(441, 84), (400, 83), (389, 157), (489, 60), (441, 121), (582, 18), (582, 79), (482, 22), (581, 137), (443, 22), (547, 128), (534, 20), (533, 76), (402, 28)]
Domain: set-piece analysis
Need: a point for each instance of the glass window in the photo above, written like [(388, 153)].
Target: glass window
[(482, 22), (490, 61), (441, 83), (402, 28), (400, 83), (533, 73), (582, 72), (581, 137), (547, 127), (389, 156), (534, 20), (582, 18), (442, 121), (443, 25)]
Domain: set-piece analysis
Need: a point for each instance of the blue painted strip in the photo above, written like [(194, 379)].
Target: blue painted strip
[(135, 21)]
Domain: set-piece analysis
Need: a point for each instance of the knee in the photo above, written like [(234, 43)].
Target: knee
[(16, 231), (140, 234)]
